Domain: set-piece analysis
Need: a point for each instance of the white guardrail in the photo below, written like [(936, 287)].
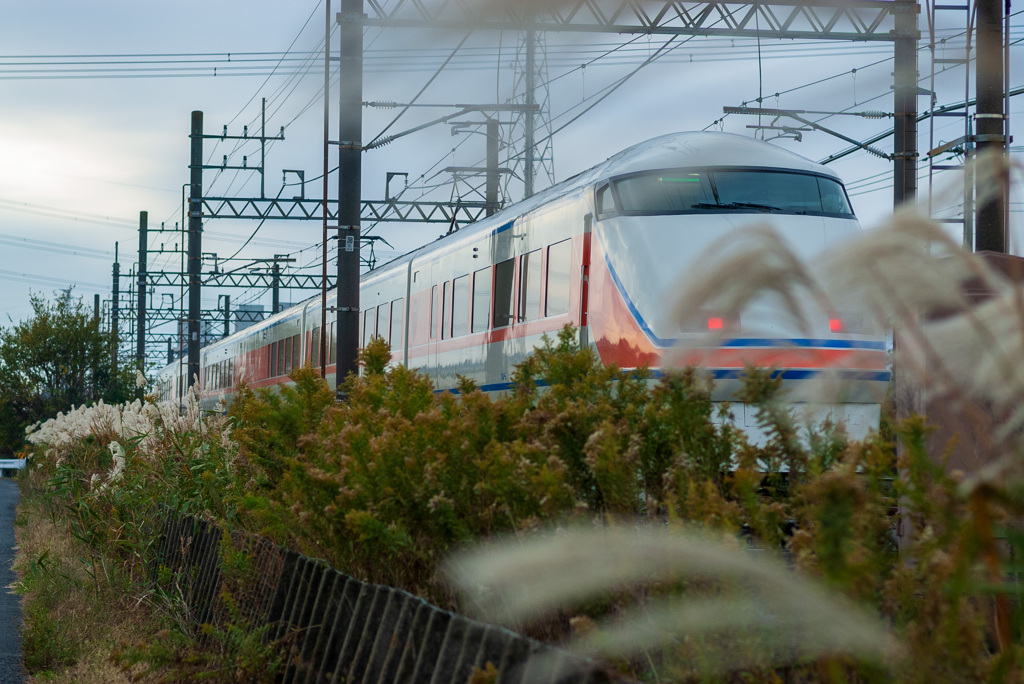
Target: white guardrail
[(13, 463)]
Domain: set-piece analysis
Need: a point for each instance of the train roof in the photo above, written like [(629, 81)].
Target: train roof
[(706, 149), (691, 149)]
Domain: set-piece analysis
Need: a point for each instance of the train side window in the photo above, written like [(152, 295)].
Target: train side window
[(286, 365), (397, 313), (445, 312), (460, 306), (314, 344), (833, 198), (605, 201), (332, 344), (383, 316), (272, 360), (559, 269), (296, 352), (504, 281), (529, 286), (481, 299), (433, 312), (368, 321)]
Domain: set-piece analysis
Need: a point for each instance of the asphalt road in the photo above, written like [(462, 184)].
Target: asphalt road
[(10, 609)]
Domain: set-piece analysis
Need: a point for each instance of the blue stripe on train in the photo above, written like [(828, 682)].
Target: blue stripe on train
[(733, 374)]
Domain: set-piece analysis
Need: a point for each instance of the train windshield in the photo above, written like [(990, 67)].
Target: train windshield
[(726, 190)]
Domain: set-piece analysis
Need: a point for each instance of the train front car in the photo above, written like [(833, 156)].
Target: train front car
[(661, 204)]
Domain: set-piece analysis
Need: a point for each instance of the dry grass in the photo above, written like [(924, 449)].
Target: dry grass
[(72, 625), (735, 595)]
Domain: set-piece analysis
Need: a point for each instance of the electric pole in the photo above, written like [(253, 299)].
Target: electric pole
[(350, 150), (990, 124), (140, 318), (275, 274), (195, 247), (115, 295), (905, 101)]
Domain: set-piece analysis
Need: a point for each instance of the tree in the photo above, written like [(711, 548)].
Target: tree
[(56, 359)]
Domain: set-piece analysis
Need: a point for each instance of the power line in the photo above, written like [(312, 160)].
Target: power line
[(47, 280)]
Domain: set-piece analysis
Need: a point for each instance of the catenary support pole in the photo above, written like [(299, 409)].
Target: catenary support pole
[(350, 150), (905, 92), (275, 288), (115, 296), (324, 323), (195, 247), (140, 319), (227, 315), (990, 123)]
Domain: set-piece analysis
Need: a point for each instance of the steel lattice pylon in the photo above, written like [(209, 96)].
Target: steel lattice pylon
[(531, 153)]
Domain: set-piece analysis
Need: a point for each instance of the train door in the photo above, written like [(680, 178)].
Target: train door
[(588, 224), (436, 312)]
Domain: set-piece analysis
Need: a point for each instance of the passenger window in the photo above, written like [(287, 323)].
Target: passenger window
[(332, 344), (504, 280), (397, 313), (481, 299), (272, 360), (460, 306), (280, 358), (445, 312), (383, 316), (296, 352), (529, 286), (559, 269)]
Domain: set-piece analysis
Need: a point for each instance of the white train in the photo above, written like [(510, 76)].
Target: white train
[(602, 251)]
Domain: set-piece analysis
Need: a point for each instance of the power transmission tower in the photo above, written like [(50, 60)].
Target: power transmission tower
[(534, 159)]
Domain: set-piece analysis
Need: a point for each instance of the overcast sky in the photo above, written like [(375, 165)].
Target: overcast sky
[(95, 103)]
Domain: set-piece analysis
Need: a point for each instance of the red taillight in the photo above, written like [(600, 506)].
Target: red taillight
[(715, 324), (835, 325)]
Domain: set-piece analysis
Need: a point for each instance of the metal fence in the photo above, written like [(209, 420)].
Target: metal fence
[(334, 628)]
